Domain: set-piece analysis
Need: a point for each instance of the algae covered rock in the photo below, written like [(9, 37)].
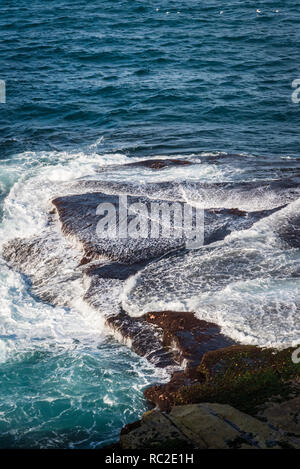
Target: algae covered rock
[(242, 376)]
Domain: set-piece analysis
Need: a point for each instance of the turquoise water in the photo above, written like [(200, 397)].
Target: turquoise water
[(70, 398), (91, 83)]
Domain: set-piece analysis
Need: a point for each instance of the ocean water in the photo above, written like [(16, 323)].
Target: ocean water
[(93, 84)]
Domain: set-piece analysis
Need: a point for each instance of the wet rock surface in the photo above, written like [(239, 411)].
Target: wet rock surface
[(188, 336), (79, 218), (169, 338), (157, 163), (189, 339), (145, 339), (50, 262), (226, 195)]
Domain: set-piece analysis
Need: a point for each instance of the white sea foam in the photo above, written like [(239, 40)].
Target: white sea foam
[(26, 323), (27, 204), (248, 284), (255, 199), (254, 310)]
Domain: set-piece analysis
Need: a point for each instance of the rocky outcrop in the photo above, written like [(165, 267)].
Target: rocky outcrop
[(285, 415), (188, 339), (243, 376), (155, 430), (188, 336), (79, 218), (50, 262), (158, 163), (227, 195), (169, 338), (204, 426), (239, 397), (144, 339)]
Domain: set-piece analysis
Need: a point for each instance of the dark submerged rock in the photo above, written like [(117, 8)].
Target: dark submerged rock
[(159, 163), (188, 336), (169, 338), (145, 339), (78, 218)]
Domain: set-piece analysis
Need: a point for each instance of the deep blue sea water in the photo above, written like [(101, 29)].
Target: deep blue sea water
[(94, 81), (148, 81)]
